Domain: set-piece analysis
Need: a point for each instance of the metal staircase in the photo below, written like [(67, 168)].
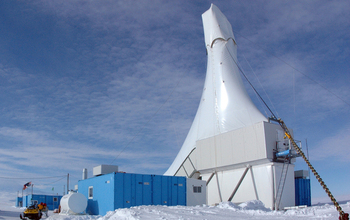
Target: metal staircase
[(281, 183)]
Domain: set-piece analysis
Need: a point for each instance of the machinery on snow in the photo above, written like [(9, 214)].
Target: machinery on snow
[(34, 212)]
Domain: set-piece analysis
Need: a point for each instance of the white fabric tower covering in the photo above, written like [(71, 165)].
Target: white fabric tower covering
[(225, 104)]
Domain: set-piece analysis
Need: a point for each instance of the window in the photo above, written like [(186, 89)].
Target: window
[(197, 189), (91, 192), (55, 199)]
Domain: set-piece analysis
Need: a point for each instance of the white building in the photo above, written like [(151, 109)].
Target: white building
[(231, 144)]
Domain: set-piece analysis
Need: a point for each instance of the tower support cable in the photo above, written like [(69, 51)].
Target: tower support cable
[(342, 214)]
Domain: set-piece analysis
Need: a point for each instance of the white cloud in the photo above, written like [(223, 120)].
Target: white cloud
[(335, 147), (113, 65)]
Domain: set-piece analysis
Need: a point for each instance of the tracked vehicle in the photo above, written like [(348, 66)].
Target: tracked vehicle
[(32, 212)]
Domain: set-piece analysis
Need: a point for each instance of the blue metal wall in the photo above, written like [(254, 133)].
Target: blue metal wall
[(25, 200), (126, 190), (19, 202), (103, 191), (139, 189), (51, 201), (302, 192)]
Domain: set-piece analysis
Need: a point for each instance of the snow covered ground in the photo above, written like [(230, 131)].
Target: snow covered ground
[(225, 210)]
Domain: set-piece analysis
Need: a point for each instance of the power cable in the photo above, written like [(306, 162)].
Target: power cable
[(347, 103), (342, 214), (54, 181), (240, 69), (51, 177), (261, 86)]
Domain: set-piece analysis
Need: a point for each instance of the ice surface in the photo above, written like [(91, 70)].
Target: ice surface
[(226, 210)]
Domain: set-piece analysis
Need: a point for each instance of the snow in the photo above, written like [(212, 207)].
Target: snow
[(226, 210)]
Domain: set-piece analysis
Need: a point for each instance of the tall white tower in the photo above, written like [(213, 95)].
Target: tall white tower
[(231, 144)]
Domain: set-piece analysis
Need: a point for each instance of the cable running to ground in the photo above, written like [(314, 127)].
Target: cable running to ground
[(342, 214), (347, 103), (261, 85), (240, 69)]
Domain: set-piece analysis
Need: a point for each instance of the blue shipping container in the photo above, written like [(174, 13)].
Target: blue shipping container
[(19, 202), (52, 201), (302, 192), (123, 190)]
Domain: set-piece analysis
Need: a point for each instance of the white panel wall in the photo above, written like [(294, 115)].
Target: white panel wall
[(238, 146), (213, 195), (228, 182), (233, 147), (181, 172), (196, 198), (288, 196), (264, 182), (188, 166), (271, 133), (260, 183), (229, 154), (104, 169)]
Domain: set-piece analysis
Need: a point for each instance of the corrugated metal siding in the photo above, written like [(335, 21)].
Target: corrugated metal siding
[(139, 189), (130, 190), (103, 191), (26, 200), (157, 190), (19, 201), (302, 192), (48, 199)]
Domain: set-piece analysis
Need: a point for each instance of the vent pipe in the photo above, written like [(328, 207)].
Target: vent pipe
[(85, 174)]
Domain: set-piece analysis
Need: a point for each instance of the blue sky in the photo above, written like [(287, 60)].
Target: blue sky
[(84, 83)]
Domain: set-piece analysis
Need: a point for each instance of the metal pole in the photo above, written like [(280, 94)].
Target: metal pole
[(217, 182), (238, 184), (67, 183), (307, 153), (211, 176)]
